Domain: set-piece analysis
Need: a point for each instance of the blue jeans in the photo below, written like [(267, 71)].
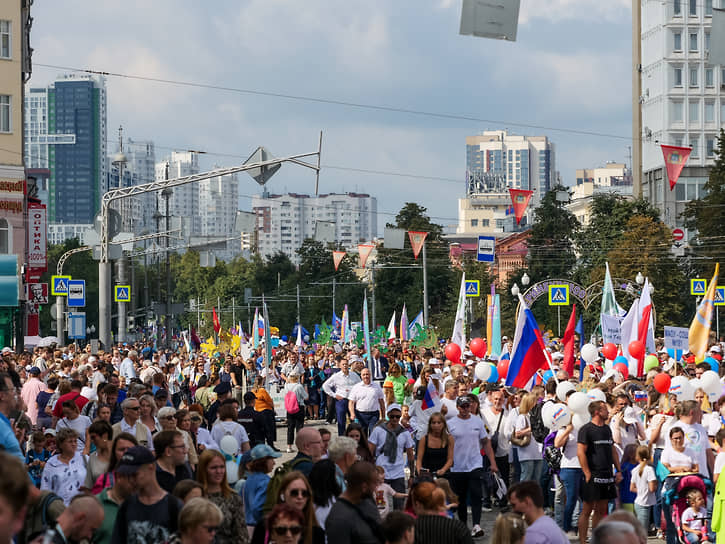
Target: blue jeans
[(571, 479), (643, 513), (341, 408), (368, 420), (693, 538), (657, 508), (532, 469)]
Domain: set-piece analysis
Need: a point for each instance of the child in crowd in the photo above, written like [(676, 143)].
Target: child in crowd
[(694, 517), (405, 420), (451, 497), (644, 484), (626, 496), (509, 529), (720, 459), (37, 456), (384, 494)]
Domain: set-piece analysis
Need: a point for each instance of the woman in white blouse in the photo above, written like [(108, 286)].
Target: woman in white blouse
[(65, 473)]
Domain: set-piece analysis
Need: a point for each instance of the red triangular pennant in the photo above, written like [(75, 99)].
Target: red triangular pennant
[(417, 239), (675, 159), (337, 257), (364, 250), (520, 199)]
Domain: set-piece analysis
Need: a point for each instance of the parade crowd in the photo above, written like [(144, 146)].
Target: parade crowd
[(145, 445)]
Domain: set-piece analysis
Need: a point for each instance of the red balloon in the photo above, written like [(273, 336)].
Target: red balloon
[(411, 381), (662, 382), (636, 349), (479, 347), (503, 368), (610, 351), (453, 353), (622, 368)]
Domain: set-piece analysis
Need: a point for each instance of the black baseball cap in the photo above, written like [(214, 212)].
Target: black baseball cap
[(249, 396), (134, 459), (223, 388)]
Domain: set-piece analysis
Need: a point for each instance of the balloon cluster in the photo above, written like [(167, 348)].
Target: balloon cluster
[(556, 415)]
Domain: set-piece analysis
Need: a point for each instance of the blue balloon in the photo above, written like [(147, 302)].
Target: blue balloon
[(493, 377), (284, 338), (713, 363), (621, 359), (548, 375)]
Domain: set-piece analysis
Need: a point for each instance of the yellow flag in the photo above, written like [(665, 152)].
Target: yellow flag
[(700, 329)]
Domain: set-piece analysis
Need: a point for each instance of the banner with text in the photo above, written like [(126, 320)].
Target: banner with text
[(611, 329), (677, 338)]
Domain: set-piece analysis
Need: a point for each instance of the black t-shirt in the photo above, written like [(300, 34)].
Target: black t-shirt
[(146, 523), (238, 372), (168, 481), (598, 440), (253, 423)]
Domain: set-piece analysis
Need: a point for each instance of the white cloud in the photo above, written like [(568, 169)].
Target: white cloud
[(585, 10)]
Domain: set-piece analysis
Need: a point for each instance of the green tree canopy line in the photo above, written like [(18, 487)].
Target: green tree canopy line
[(629, 234)]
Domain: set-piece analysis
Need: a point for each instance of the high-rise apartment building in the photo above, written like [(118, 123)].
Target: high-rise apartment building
[(184, 199), (683, 100), (65, 132), (285, 221)]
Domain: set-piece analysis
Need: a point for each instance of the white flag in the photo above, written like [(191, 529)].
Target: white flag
[(391, 328), (459, 326)]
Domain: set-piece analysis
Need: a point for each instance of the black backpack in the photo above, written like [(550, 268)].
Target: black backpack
[(538, 430)]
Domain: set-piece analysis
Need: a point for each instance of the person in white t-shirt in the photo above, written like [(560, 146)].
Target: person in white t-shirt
[(448, 400), (570, 475), (720, 458), (695, 436), (644, 483)]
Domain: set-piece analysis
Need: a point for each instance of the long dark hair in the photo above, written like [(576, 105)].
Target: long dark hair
[(113, 461), (323, 482), (363, 443)]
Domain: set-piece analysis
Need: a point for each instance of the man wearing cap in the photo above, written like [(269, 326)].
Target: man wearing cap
[(251, 420), (223, 392), (366, 401), (261, 461), (338, 386), (467, 470), (388, 442), (29, 393), (151, 515)]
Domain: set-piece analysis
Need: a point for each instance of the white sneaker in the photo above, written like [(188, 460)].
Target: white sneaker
[(476, 532), (289, 450)]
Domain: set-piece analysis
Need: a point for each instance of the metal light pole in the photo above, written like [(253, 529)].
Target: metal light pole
[(120, 160), (425, 287), (104, 265), (166, 193)]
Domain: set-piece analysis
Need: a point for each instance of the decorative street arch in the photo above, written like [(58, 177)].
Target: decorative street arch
[(585, 295)]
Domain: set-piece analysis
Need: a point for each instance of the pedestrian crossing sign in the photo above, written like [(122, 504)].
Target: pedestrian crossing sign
[(558, 295), (59, 286), (122, 293), (720, 296), (698, 287), (473, 288)]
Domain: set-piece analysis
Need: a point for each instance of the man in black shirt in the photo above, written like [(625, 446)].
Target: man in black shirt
[(170, 451), (251, 420), (597, 455)]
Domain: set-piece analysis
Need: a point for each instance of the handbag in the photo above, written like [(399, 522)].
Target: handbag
[(494, 438), (521, 441)]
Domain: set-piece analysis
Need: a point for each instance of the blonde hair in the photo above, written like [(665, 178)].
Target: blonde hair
[(643, 456), (527, 403), (508, 529), (444, 431), (196, 512)]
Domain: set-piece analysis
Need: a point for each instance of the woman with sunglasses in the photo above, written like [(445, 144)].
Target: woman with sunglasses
[(212, 475), (198, 522), (295, 491), (285, 525)]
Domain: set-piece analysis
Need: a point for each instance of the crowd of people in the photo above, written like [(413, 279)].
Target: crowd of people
[(138, 444)]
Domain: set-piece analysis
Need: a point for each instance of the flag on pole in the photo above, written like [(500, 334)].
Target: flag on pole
[(568, 362), (417, 239), (404, 325), (346, 336), (675, 159), (267, 343), (299, 336), (630, 332), (413, 327), (240, 333), (609, 302), (493, 325), (195, 340), (336, 325), (645, 327), (366, 331), (391, 328), (187, 344), (580, 331), (215, 320), (255, 329), (700, 328), (431, 397), (459, 325), (529, 351)]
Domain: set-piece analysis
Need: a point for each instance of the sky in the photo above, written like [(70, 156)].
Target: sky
[(569, 70)]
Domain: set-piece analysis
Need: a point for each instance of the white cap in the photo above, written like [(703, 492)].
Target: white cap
[(630, 416), (715, 348), (392, 407), (557, 355)]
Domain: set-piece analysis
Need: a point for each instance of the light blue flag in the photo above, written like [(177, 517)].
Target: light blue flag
[(496, 326)]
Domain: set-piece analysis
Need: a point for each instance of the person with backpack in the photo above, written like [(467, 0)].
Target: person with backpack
[(294, 404), (43, 510), (529, 449)]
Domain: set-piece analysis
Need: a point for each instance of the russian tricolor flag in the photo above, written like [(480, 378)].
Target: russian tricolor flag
[(431, 396), (529, 351)]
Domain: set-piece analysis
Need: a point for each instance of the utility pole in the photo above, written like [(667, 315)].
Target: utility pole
[(636, 98), (298, 305), (234, 315), (372, 285), (425, 287), (121, 337), (333, 297), (167, 319)]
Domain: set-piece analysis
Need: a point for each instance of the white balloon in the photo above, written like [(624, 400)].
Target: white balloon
[(596, 394), (232, 472), (579, 402), (589, 353), (577, 420), (710, 380), (229, 445), (562, 389), (680, 387), (696, 384), (483, 371), (555, 415)]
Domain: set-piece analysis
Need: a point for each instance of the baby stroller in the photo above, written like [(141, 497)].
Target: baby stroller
[(675, 493)]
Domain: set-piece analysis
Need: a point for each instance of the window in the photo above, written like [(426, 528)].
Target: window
[(695, 145), (678, 141), (693, 112), (708, 8), (707, 41), (4, 237), (474, 222), (678, 41), (5, 39), (5, 113), (678, 77), (485, 222), (709, 77), (677, 8), (693, 7), (710, 146), (709, 112), (693, 42), (693, 77)]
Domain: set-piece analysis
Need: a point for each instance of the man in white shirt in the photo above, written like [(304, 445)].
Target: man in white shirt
[(292, 365), (467, 470), (127, 368), (338, 386), (494, 415), (366, 401), (131, 424)]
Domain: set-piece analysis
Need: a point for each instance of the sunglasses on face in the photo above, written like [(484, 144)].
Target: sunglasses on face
[(210, 528), (299, 493), (281, 530), (134, 408), (393, 416)]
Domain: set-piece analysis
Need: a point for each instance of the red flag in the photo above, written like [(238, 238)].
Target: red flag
[(215, 320), (568, 363), (364, 250), (337, 257), (417, 239), (520, 199), (195, 341), (675, 159)]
